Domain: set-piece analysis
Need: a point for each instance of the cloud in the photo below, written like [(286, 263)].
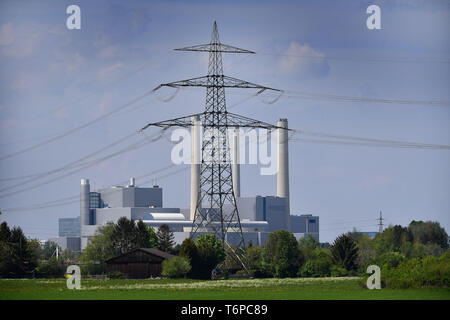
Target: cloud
[(304, 60), (376, 181), (108, 52), (18, 41), (75, 62), (106, 101), (9, 123), (109, 70), (329, 170)]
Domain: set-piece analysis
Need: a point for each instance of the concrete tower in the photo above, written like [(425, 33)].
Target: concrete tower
[(236, 171), (283, 168), (195, 164), (84, 203)]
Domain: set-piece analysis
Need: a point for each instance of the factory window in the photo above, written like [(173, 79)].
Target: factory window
[(312, 221)]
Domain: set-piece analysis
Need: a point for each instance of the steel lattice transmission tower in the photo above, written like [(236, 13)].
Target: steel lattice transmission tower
[(216, 211)]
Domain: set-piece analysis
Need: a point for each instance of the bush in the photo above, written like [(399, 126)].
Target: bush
[(390, 259), (50, 269), (316, 268), (189, 251), (281, 256), (210, 252), (176, 267), (116, 275), (418, 272), (90, 268), (260, 273), (337, 271), (344, 252), (254, 256)]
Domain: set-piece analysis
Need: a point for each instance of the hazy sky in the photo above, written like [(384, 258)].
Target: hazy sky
[(53, 79)]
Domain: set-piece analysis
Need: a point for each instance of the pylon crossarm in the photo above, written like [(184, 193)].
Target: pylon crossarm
[(176, 122), (236, 120), (215, 47), (216, 81), (233, 121)]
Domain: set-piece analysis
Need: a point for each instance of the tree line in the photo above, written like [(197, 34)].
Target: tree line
[(281, 256)]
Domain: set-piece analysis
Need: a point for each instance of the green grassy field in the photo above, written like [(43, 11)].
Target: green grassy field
[(154, 289)]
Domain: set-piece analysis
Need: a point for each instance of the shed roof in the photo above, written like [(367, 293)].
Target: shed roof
[(151, 251)]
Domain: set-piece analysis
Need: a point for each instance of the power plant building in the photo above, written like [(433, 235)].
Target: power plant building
[(259, 215)]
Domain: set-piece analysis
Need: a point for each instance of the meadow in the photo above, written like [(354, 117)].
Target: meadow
[(343, 288)]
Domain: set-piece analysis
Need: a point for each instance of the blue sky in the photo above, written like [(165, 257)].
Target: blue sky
[(53, 79)]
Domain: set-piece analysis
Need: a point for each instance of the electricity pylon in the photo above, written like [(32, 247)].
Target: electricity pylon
[(216, 211), (380, 223)]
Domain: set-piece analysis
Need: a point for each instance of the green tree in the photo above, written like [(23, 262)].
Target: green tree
[(67, 255), (165, 238), (254, 256), (153, 238), (176, 267), (320, 266), (428, 233), (344, 252), (49, 249), (99, 249), (393, 238), (366, 253), (282, 257), (50, 269), (124, 236), (307, 246), (189, 250), (390, 259), (355, 235), (144, 236), (211, 253), (5, 232), (18, 255)]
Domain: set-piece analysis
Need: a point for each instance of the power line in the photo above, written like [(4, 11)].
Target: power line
[(367, 59), (341, 228), (78, 128), (304, 95), (330, 97), (67, 166), (347, 222), (134, 146), (366, 144), (75, 198)]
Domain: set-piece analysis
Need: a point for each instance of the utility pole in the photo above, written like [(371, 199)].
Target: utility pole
[(380, 223), (216, 191)]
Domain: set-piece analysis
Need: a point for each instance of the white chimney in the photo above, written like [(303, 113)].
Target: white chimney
[(195, 164), (236, 170), (283, 168), (84, 202)]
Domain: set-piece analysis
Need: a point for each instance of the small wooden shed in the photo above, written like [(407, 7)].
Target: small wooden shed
[(139, 263)]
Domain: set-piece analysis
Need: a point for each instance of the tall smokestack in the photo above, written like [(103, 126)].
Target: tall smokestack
[(84, 202), (283, 168), (236, 167), (195, 164)]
